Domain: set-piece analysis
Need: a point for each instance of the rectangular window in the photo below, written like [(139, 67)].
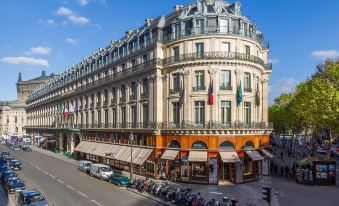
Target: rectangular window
[(245, 28), (176, 113), (176, 82), (133, 90), (114, 114), (122, 93), (92, 118), (225, 112), (200, 26), (248, 50), (177, 31), (225, 80), (176, 53), (224, 24), (225, 47), (106, 118), (247, 112), (145, 114), (247, 82), (99, 118), (134, 116), (199, 108), (123, 116), (199, 80), (199, 47), (144, 87)]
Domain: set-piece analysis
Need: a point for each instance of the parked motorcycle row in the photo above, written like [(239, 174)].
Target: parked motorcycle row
[(177, 195)]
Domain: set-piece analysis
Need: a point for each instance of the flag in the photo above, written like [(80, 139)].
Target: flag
[(71, 110), (211, 94), (239, 95), (66, 111), (58, 109)]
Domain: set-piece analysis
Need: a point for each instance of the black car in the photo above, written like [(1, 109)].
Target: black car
[(5, 154), (15, 185), (15, 164)]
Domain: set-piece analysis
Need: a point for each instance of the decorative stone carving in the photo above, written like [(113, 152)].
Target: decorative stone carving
[(264, 80), (212, 71), (185, 72)]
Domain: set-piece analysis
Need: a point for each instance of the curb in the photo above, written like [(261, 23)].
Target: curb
[(150, 197)]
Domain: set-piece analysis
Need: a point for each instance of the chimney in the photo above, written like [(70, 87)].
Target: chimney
[(149, 21), (43, 73), (19, 78)]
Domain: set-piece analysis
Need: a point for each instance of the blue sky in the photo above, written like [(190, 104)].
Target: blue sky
[(51, 35)]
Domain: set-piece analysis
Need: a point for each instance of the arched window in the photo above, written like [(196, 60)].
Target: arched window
[(174, 144), (248, 145), (227, 145), (199, 145)]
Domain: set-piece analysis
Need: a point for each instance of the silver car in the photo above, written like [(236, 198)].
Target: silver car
[(84, 166)]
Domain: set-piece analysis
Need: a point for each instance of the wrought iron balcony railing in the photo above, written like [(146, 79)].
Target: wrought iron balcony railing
[(213, 56), (225, 87), (247, 89), (199, 88), (176, 90), (184, 125)]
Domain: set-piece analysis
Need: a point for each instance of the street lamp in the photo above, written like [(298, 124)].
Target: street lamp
[(131, 138)]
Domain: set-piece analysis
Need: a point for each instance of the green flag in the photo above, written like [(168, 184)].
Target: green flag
[(239, 95)]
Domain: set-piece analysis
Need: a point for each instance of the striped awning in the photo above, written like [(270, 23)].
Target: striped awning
[(197, 156), (267, 153), (170, 154), (80, 147), (254, 155), (229, 156)]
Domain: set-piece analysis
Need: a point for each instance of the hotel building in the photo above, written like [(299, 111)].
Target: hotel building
[(187, 91)]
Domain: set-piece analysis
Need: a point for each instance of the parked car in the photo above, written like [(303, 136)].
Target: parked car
[(6, 175), (15, 164), (31, 197), (8, 160), (2, 162), (119, 179), (101, 171), (5, 154), (16, 148), (85, 166), (15, 185), (322, 151), (3, 169)]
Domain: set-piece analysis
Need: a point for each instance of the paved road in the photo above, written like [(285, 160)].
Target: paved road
[(63, 185)]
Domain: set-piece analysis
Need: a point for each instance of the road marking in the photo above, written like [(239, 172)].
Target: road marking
[(95, 202), (60, 181), (52, 176), (218, 193), (38, 168), (82, 194), (70, 187), (44, 172)]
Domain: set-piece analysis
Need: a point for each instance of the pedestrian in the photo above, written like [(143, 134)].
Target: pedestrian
[(282, 171)]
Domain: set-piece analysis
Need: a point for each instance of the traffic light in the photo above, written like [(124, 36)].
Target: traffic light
[(266, 191)]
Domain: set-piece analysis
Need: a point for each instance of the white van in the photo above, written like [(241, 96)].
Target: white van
[(101, 171)]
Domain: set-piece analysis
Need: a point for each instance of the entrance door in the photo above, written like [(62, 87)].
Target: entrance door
[(227, 171), (213, 170)]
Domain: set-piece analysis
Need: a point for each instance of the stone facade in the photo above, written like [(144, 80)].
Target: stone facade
[(199, 74)]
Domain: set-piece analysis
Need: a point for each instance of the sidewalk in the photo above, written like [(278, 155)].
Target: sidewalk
[(55, 155)]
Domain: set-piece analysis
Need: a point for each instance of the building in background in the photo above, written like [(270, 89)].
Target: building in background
[(189, 92), (12, 113)]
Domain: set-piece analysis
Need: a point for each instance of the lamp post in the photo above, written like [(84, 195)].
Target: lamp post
[(131, 139)]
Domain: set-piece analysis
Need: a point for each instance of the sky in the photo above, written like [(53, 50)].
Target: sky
[(52, 35)]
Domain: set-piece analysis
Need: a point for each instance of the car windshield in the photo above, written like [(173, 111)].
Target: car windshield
[(33, 198), (106, 169), (17, 181), (87, 164)]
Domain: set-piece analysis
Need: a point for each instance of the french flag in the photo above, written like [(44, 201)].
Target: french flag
[(211, 94)]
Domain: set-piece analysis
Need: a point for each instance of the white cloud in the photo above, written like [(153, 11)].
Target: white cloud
[(72, 41), (50, 22), (325, 54), (63, 11), (25, 60), (79, 20), (39, 50), (72, 16), (274, 61), (286, 85), (83, 2)]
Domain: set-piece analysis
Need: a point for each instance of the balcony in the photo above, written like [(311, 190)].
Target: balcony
[(99, 104), (113, 101), (205, 31), (122, 99), (224, 56), (199, 88), (132, 97), (144, 95), (247, 89), (105, 102), (175, 90), (226, 87), (91, 105)]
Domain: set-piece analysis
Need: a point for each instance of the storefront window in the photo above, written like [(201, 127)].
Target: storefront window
[(199, 169), (150, 168), (199, 145), (227, 145)]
